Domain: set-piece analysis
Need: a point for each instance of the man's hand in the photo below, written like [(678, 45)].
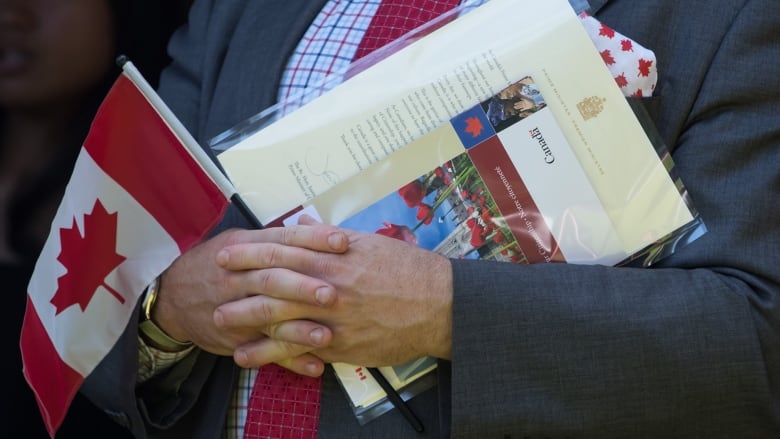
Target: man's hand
[(195, 284), (393, 300)]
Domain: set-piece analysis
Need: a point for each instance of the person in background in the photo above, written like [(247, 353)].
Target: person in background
[(689, 348), (56, 64)]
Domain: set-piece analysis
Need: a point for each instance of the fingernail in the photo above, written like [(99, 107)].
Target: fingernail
[(219, 319), (323, 295), (313, 369), (316, 336), (336, 240), (223, 257), (241, 358)]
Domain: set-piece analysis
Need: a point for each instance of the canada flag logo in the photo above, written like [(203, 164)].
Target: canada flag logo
[(474, 126)]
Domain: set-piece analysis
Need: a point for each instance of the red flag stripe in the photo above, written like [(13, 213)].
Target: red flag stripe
[(133, 145), (56, 383)]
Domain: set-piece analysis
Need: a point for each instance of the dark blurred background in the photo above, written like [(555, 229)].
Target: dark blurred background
[(56, 64)]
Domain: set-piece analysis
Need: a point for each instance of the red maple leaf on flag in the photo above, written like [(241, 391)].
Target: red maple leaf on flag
[(474, 126), (606, 55), (644, 66), (88, 259), (606, 31), (627, 45), (621, 80)]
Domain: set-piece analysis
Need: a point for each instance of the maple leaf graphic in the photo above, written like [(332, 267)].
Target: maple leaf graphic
[(621, 80), (606, 31), (644, 66), (474, 126), (627, 45), (606, 55), (88, 259)]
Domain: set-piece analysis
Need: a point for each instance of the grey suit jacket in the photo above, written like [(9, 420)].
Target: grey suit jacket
[(689, 348)]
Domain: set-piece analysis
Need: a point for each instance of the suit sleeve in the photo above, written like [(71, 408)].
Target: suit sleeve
[(690, 347)]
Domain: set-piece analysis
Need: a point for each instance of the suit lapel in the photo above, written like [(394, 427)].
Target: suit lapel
[(265, 42)]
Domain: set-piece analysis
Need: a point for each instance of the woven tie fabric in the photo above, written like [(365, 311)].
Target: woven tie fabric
[(283, 404), (394, 18)]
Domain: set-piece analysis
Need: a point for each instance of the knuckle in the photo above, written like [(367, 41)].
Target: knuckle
[(265, 281), (288, 235), (265, 312), (226, 284), (322, 264), (272, 331), (273, 256), (288, 349), (233, 236), (304, 290)]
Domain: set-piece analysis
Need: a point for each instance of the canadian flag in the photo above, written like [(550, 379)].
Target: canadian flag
[(136, 200)]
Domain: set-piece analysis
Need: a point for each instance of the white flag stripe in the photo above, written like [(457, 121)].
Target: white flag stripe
[(74, 332)]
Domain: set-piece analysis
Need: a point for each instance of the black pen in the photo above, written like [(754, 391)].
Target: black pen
[(396, 399)]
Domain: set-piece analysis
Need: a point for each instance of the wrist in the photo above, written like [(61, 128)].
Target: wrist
[(151, 332), (442, 288)]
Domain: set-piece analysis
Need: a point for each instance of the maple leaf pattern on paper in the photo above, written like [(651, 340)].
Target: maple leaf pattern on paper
[(88, 259), (474, 126), (627, 45), (606, 31), (644, 67), (606, 55)]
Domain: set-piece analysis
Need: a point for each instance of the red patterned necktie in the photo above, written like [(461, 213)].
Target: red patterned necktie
[(394, 18), (284, 404)]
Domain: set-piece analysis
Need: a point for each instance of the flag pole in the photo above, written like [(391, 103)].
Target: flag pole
[(189, 142)]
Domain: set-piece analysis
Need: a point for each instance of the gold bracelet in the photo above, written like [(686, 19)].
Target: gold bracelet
[(152, 334)]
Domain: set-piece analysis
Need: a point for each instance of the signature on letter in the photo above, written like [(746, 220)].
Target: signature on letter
[(317, 163)]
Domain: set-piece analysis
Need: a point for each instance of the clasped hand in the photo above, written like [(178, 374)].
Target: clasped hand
[(307, 294)]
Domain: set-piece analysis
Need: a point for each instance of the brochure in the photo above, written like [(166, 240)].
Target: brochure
[(422, 86), (502, 181)]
